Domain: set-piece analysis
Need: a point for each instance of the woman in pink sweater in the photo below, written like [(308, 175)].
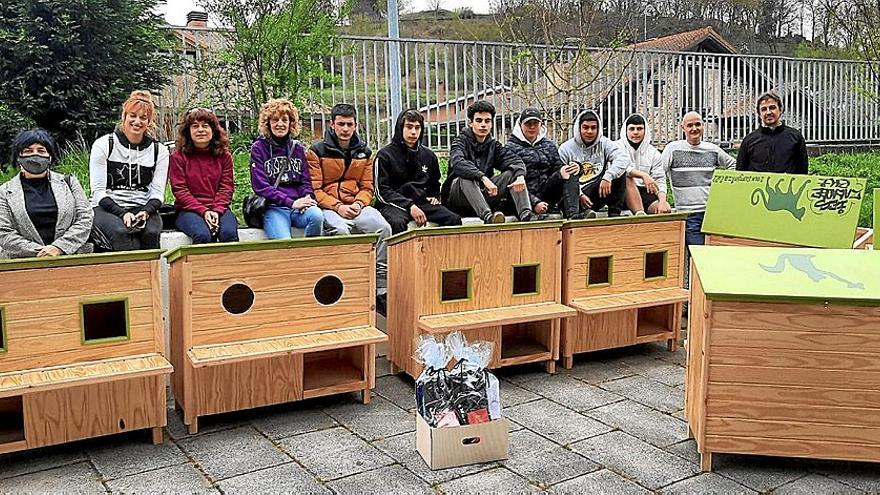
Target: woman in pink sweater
[(202, 180)]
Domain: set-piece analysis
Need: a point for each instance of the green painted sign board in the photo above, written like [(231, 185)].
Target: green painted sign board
[(792, 274), (802, 210), (876, 214)]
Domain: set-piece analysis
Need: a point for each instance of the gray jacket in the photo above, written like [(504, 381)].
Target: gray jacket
[(18, 236)]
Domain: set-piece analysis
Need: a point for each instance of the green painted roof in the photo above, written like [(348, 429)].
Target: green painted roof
[(79, 259), (471, 229), (666, 217), (802, 210), (851, 276), (300, 242)]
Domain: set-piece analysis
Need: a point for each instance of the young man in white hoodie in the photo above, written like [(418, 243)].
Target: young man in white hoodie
[(602, 167), (646, 164)]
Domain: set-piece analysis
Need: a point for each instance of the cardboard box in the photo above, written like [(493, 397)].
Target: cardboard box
[(443, 448)]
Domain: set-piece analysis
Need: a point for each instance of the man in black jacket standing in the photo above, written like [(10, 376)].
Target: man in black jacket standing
[(408, 178), (471, 186), (551, 182), (773, 147)]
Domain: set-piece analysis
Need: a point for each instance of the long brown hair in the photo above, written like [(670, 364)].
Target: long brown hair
[(219, 140)]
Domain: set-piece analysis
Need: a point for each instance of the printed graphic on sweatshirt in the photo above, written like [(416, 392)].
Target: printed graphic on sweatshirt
[(128, 176), (692, 168), (590, 173), (291, 168)]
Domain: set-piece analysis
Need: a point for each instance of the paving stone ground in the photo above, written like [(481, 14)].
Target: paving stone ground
[(613, 424)]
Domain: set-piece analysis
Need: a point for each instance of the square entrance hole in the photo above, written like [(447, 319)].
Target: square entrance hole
[(455, 285), (104, 321), (599, 270), (525, 279), (655, 265), (11, 420), (2, 330)]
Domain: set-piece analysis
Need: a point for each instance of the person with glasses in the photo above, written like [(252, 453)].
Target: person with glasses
[(280, 173), (128, 170), (42, 212), (202, 179)]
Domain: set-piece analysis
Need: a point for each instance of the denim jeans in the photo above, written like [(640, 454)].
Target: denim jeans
[(194, 225), (693, 229), (278, 220)]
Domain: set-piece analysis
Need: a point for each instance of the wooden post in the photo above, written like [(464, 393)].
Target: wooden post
[(706, 462)]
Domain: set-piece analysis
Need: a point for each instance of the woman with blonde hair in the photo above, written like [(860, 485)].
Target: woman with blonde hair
[(202, 179), (128, 169), (280, 173)]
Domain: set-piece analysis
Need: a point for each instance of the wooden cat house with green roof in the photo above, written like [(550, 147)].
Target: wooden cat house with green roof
[(260, 323), (497, 283), (784, 353), (764, 209), (624, 277), (81, 348)]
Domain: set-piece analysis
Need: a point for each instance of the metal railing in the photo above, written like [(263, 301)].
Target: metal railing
[(829, 100)]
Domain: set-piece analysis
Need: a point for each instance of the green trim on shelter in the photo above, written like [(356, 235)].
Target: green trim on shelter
[(801, 210), (876, 214), (471, 229), (663, 217), (79, 260), (537, 290), (3, 344), (105, 340), (300, 242), (770, 274)]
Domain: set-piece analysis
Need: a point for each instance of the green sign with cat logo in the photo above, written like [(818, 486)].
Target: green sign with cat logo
[(802, 210), (788, 274)]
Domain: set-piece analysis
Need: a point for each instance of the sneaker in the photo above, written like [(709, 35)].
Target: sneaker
[(614, 212), (528, 216), (640, 213), (588, 213), (494, 217)]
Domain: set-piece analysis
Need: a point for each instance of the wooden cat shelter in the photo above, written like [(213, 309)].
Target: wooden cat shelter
[(260, 323), (764, 209), (81, 348), (497, 283), (624, 277), (784, 357)]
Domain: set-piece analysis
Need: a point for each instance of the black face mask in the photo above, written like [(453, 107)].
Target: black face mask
[(35, 164)]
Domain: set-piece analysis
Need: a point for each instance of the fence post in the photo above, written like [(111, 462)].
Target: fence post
[(394, 61)]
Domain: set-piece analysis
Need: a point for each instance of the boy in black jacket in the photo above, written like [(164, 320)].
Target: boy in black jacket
[(408, 178)]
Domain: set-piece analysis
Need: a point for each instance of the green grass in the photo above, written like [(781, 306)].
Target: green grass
[(861, 165)]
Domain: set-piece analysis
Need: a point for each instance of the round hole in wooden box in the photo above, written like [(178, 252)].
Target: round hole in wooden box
[(238, 298), (328, 290)]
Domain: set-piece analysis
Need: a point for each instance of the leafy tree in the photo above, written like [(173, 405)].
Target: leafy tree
[(277, 47), (68, 64)]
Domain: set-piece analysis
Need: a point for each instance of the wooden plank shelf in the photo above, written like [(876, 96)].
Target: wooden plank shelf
[(520, 349), (629, 300), (509, 315)]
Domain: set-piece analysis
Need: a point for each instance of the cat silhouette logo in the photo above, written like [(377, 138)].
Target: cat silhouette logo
[(804, 263), (775, 198)]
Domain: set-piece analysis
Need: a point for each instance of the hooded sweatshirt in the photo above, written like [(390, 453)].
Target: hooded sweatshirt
[(472, 160), (271, 157), (541, 158), (645, 158), (406, 176), (606, 159), (128, 175)]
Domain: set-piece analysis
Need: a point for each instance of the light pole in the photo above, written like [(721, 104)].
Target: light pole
[(394, 60)]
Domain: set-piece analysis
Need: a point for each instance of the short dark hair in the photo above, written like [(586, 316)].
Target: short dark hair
[(480, 106), (635, 120), (588, 116), (413, 115), (769, 95), (28, 137), (343, 110)]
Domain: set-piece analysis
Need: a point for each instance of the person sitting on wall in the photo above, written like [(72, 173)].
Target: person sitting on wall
[(128, 170), (408, 178), (602, 167), (471, 186), (202, 179), (280, 173), (42, 213), (690, 164), (646, 165), (773, 147), (552, 183)]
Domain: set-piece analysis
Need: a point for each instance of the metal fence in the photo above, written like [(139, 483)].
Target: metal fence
[(831, 101)]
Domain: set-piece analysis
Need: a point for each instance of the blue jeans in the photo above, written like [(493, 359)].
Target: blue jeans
[(194, 225), (278, 220), (693, 229)]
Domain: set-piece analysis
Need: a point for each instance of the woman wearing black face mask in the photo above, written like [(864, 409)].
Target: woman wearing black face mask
[(42, 213)]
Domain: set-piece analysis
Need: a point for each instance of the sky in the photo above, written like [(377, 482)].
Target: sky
[(175, 10)]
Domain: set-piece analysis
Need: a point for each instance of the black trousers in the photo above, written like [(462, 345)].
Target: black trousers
[(614, 200), (469, 197), (398, 219), (120, 238), (563, 193)]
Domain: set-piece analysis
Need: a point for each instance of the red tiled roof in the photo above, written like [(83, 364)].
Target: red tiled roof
[(686, 41)]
